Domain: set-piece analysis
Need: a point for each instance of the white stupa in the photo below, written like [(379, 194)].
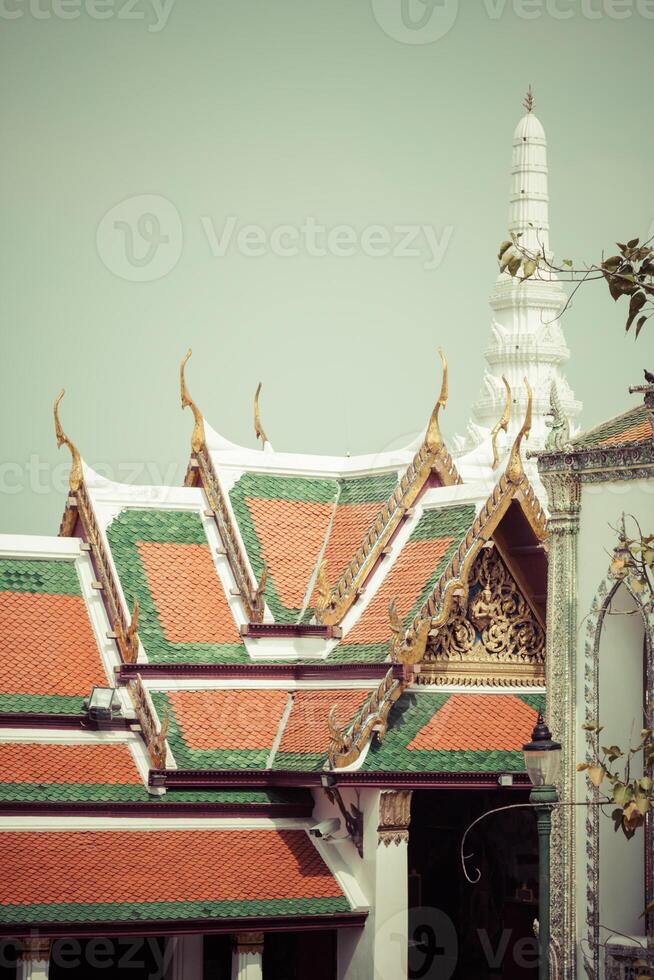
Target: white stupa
[(527, 339)]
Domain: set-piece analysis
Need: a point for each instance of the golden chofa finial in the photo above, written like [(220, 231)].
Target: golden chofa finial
[(514, 470), (197, 439), (258, 428), (76, 470), (503, 423), (529, 100), (434, 439)]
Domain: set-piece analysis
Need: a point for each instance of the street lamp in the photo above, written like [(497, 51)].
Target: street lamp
[(543, 762)]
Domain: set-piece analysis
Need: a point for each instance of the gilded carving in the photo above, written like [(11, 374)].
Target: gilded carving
[(154, 735), (502, 424), (76, 476), (345, 747), (492, 633), (394, 817), (258, 428), (197, 438)]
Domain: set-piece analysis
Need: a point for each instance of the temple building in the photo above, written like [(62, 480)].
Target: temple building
[(245, 721)]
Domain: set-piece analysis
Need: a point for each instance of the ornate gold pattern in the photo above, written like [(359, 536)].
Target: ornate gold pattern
[(76, 470), (153, 735), (251, 592), (454, 581), (431, 457), (198, 436), (346, 746), (503, 423), (323, 591), (258, 428), (394, 817), (494, 634), (131, 637), (515, 470)]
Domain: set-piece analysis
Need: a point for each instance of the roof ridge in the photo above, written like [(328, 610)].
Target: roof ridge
[(432, 455), (313, 578)]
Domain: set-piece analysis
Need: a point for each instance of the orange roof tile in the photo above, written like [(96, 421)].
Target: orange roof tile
[(36, 762), (292, 533), (306, 729), (478, 722), (160, 866), (187, 593), (412, 569), (228, 719), (350, 525), (643, 430), (47, 645)]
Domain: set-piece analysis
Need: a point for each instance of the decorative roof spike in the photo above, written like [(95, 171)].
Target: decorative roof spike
[(529, 100), (76, 470), (323, 592), (131, 637), (503, 423), (258, 428), (198, 437), (433, 438), (515, 470)]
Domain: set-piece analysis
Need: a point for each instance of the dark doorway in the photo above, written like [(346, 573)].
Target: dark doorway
[(298, 955), (459, 930)]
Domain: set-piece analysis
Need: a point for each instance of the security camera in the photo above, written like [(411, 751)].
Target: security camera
[(326, 828)]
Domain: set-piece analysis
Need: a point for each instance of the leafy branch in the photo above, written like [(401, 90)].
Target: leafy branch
[(629, 273)]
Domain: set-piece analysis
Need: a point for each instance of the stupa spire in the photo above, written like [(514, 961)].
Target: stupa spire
[(527, 339)]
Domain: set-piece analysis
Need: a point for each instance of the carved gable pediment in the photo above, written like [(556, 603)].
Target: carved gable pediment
[(492, 635)]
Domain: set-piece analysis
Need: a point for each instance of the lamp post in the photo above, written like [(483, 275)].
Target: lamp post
[(543, 762)]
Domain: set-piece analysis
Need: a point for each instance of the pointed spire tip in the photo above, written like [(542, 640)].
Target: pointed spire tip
[(529, 100)]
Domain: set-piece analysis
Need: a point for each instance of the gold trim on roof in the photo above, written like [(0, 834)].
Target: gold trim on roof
[(431, 457), (76, 470), (515, 470), (154, 735), (198, 436), (433, 437), (502, 423), (258, 428), (346, 746), (454, 582)]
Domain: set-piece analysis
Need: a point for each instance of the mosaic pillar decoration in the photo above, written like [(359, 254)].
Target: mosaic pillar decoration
[(563, 491), (247, 956), (34, 960)]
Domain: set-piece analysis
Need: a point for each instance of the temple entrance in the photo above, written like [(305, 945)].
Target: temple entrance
[(458, 930)]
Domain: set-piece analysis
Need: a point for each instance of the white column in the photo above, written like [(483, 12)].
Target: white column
[(185, 956), (247, 956), (392, 887), (34, 960)]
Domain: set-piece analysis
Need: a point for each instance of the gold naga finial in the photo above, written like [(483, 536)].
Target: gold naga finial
[(514, 470), (434, 439), (197, 438), (323, 591), (258, 428), (76, 470), (503, 423), (131, 638), (261, 586), (529, 100)]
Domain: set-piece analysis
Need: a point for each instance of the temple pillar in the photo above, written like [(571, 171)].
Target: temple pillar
[(247, 956), (563, 491), (34, 960), (185, 956), (392, 886)]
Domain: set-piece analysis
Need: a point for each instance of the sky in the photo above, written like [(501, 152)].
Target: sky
[(309, 193)]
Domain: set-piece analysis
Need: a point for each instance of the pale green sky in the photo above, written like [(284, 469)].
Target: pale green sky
[(292, 113)]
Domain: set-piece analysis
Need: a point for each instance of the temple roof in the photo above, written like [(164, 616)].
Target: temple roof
[(633, 426), (113, 876)]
